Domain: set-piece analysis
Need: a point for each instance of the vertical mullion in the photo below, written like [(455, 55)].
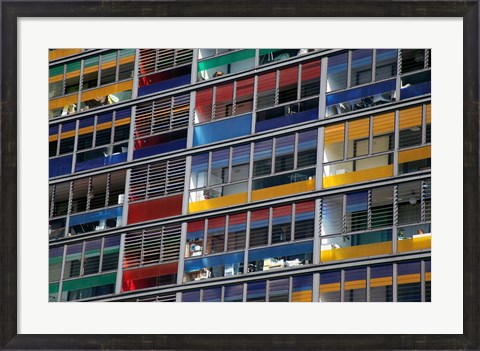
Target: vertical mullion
[(118, 283), (82, 258), (250, 173), (277, 88), (424, 124), (374, 64), (317, 232), (225, 240), (107, 188), (369, 209), (267, 290), (247, 243), (349, 69), (323, 87), (422, 281), (368, 283), (59, 139), (117, 67), (75, 146), (316, 287), (344, 214), (395, 219), (234, 98), (230, 157), (396, 143), (102, 247), (89, 193), (394, 282), (290, 283), (345, 141), (181, 256), (52, 201), (274, 154), (270, 216), (205, 236), (254, 105), (292, 229), (299, 82), (342, 285), (214, 102), (295, 151), (62, 273)]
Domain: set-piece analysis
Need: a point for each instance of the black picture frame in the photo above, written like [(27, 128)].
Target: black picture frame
[(11, 10)]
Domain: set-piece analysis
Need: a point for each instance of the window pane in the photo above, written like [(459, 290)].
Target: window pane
[(91, 261), (259, 227), (385, 64), (284, 151), (198, 177), (307, 149), (334, 143), (361, 67), (302, 288), (332, 214), (330, 286), (355, 285), (383, 131), (281, 224), (408, 282), (195, 235), (215, 235), (219, 168), (240, 162), (358, 133), (412, 60), (382, 207), (224, 101), (212, 295), (410, 127), (337, 72), (304, 220), (256, 291), (288, 84), (356, 215), (278, 290), (310, 84), (191, 296), (203, 107), (72, 261), (262, 159), (233, 293), (244, 97), (237, 225), (381, 282), (409, 203), (266, 90)]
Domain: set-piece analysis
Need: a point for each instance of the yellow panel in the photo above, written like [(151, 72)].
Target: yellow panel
[(355, 284), (384, 123), (324, 288), (217, 202), (358, 129), (428, 276), (121, 122), (343, 253), (415, 154), (56, 54), (69, 134), (85, 130), (302, 296), (429, 113), (411, 117), (358, 176), (62, 102), (53, 137), (106, 125), (282, 190), (72, 74), (423, 242), (111, 89), (55, 79), (384, 281), (334, 134), (408, 278)]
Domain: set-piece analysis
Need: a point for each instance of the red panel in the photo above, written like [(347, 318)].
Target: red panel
[(310, 70), (267, 81), (259, 215), (196, 226), (305, 207), (217, 222), (148, 272), (244, 89), (282, 211), (153, 209), (203, 106), (288, 77), (237, 219)]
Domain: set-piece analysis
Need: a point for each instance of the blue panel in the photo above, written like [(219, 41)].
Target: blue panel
[(195, 265), (408, 268), (330, 277), (381, 271), (164, 85), (60, 166), (161, 148), (96, 216), (53, 130), (358, 93), (357, 201), (286, 120), (416, 90), (120, 114), (66, 127), (106, 117), (100, 162), (222, 130), (284, 250)]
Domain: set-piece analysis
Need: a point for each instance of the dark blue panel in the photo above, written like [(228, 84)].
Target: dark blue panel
[(408, 268), (416, 90), (195, 265), (278, 251), (96, 216), (87, 122), (60, 166), (106, 117), (381, 271), (53, 130), (330, 277), (222, 130), (122, 113), (358, 93), (286, 120), (100, 162), (66, 127), (160, 149), (164, 85)]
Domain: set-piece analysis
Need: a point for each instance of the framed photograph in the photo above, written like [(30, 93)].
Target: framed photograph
[(185, 172)]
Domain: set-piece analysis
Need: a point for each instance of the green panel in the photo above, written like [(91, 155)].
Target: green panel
[(268, 51), (53, 288), (92, 253), (110, 250), (91, 61), (73, 66), (127, 52), (226, 59), (55, 71), (110, 56), (56, 259), (89, 282)]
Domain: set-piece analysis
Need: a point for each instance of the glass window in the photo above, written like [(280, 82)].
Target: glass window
[(73, 261), (256, 291), (334, 142), (361, 67), (356, 216), (215, 235), (224, 100), (284, 153), (412, 60), (381, 283), (191, 296), (212, 295), (337, 72), (281, 224), (259, 227), (355, 285), (330, 286), (262, 158), (410, 127), (244, 96), (310, 83), (385, 63), (195, 236), (304, 220), (266, 89), (203, 107), (55, 256), (237, 225), (332, 215), (307, 149), (302, 288), (198, 176), (288, 84), (409, 203), (233, 293), (358, 137), (382, 207), (240, 162), (383, 132), (408, 282), (278, 290), (91, 260), (219, 168)]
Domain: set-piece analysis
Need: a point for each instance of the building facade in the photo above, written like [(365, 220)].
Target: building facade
[(240, 175)]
